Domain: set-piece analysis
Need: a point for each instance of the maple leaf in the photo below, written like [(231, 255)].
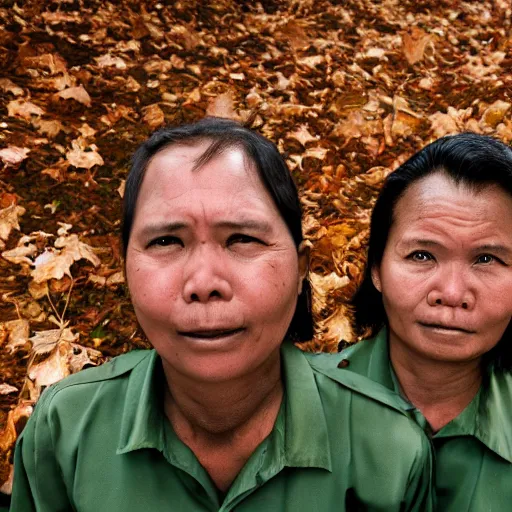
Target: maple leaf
[(76, 93), (56, 262), (83, 159), (23, 109), (302, 135), (12, 155)]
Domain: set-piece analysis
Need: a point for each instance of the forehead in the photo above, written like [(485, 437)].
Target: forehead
[(174, 181), (437, 206)]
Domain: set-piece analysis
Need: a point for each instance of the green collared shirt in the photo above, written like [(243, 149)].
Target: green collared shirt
[(99, 441), (473, 453)]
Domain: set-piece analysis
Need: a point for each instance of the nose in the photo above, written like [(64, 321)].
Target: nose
[(205, 277), (451, 288)]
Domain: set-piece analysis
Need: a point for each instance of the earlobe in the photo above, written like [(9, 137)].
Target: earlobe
[(376, 278), (303, 255)]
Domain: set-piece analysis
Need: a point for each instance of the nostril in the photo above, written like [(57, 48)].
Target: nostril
[(215, 293), (194, 297)]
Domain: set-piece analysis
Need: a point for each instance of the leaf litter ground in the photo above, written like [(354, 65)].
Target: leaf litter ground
[(347, 90)]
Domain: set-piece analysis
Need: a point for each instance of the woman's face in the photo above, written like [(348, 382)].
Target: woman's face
[(212, 269), (446, 272)]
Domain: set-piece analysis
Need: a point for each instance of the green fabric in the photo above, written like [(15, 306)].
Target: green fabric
[(99, 441), (473, 453)]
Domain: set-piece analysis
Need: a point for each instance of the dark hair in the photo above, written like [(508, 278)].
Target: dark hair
[(477, 161), (271, 168)]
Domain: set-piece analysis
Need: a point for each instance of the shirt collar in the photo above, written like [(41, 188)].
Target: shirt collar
[(488, 417), (302, 440)]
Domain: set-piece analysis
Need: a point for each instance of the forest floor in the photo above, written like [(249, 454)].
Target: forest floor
[(348, 90)]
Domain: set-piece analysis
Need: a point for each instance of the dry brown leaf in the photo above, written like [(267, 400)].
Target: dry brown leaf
[(23, 109), (153, 116), (13, 155), (415, 44), (109, 61), (50, 128), (51, 370), (21, 253), (56, 263), (302, 135), (86, 130), (9, 220), (120, 189), (116, 278), (76, 93), (54, 63), (495, 113), (222, 106), (17, 333), (44, 342), (7, 85), (83, 159), (6, 389)]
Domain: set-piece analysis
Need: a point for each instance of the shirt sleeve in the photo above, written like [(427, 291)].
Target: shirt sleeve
[(420, 496), (38, 484)]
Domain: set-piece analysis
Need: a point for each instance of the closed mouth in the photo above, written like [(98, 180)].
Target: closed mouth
[(211, 334), (444, 327)]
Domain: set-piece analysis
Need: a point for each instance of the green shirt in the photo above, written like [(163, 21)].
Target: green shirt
[(473, 453), (99, 441)]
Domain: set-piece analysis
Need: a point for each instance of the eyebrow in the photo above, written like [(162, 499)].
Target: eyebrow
[(494, 248), (172, 227)]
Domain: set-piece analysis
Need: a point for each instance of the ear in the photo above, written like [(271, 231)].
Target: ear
[(303, 253), (376, 278)]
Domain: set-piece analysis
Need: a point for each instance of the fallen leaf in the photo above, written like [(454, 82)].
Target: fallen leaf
[(76, 93), (302, 135), (50, 128), (12, 155), (17, 333), (83, 159), (54, 63), (9, 220), (6, 389), (43, 342), (153, 116), (222, 106), (7, 85), (415, 43), (494, 114), (56, 262), (23, 109), (109, 61)]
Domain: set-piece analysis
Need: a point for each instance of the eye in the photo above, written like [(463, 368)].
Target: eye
[(165, 241), (486, 259), (420, 256), (239, 238)]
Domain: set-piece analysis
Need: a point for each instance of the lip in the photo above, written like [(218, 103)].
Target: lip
[(445, 327), (211, 334)]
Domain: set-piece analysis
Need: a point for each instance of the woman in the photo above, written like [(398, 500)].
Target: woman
[(225, 413), (437, 295)]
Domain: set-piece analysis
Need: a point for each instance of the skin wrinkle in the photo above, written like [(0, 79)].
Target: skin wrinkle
[(226, 387), (438, 369)]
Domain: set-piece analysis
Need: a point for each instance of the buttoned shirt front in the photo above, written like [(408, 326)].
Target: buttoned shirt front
[(473, 453), (99, 441)]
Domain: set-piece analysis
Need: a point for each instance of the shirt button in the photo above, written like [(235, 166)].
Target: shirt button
[(343, 363)]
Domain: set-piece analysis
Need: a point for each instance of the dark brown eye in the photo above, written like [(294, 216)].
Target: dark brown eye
[(421, 256), (242, 239), (164, 241)]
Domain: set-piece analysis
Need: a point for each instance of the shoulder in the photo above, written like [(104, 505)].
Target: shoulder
[(110, 375)]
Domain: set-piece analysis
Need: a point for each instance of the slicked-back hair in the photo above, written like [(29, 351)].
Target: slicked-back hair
[(271, 168), (475, 161)]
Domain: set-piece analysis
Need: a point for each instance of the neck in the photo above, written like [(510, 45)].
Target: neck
[(220, 408), (440, 390), (224, 422)]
